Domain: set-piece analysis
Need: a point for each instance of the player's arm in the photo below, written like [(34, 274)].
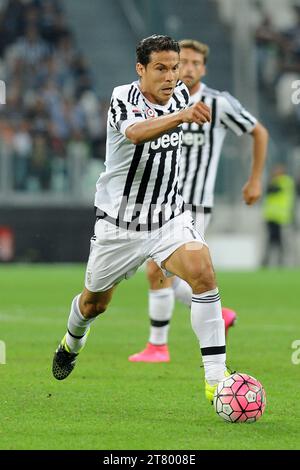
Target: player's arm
[(252, 190), (235, 117), (151, 129)]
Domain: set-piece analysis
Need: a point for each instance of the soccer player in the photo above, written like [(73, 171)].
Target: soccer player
[(201, 151), (140, 213)]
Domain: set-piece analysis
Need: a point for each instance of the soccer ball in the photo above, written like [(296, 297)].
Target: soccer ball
[(240, 398)]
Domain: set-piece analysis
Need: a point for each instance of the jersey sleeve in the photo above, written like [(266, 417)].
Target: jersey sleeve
[(181, 95), (122, 113), (234, 116)]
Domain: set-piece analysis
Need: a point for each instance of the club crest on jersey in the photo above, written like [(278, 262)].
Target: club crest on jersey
[(150, 113)]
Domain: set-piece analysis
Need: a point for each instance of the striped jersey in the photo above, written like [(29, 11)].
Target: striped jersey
[(202, 145), (139, 188)]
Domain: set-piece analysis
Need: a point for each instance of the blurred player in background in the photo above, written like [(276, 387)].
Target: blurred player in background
[(201, 152), (279, 206), (140, 212)]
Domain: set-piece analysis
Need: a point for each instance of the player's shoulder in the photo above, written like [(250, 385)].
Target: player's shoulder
[(128, 93), (211, 92), (220, 95), (120, 91), (228, 99), (181, 92)]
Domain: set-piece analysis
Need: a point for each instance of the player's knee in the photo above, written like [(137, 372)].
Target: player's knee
[(202, 278), (93, 309), (154, 275)]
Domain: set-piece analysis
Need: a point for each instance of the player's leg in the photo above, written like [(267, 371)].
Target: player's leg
[(161, 304), (182, 290), (85, 308), (162, 291), (192, 263), (183, 293), (269, 244), (280, 244), (114, 255)]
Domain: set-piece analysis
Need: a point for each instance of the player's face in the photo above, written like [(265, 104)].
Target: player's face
[(192, 67), (159, 76)]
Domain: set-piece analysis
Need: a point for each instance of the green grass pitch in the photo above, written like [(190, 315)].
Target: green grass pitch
[(109, 403)]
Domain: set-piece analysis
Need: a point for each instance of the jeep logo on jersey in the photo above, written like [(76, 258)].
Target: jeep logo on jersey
[(170, 140), (193, 139)]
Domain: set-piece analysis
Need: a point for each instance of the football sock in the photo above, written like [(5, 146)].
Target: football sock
[(78, 327), (161, 304), (182, 291), (208, 325)]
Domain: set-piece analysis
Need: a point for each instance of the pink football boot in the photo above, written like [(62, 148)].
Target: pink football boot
[(229, 317), (152, 353)]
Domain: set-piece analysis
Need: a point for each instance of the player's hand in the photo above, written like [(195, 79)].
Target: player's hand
[(252, 191), (198, 113)]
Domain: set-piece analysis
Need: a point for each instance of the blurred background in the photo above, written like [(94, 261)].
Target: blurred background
[(60, 60)]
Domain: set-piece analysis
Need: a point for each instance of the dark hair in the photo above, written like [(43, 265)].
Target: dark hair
[(154, 43)]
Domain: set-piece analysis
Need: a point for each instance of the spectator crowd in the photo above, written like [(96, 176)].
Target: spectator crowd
[(52, 114), (278, 57)]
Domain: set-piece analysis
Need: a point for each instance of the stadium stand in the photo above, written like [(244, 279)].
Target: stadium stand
[(52, 110), (276, 33)]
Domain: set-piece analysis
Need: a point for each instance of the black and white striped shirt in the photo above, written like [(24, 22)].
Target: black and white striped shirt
[(139, 189), (202, 145)]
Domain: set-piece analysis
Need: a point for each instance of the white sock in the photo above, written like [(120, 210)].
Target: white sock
[(182, 291), (161, 304), (208, 325), (78, 327)]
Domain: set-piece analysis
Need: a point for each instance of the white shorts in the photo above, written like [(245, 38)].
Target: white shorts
[(202, 221), (117, 253)]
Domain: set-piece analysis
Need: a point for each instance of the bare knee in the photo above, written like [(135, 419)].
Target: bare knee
[(155, 276), (202, 278), (91, 308)]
